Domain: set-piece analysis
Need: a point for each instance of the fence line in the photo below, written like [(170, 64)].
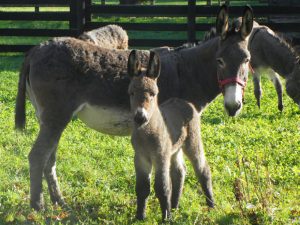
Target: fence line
[(81, 11)]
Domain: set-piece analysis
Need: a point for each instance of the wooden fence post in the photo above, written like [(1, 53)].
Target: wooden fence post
[(191, 21), (77, 20), (36, 8), (88, 16)]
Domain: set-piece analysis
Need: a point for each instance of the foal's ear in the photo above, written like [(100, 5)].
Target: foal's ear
[(247, 22), (222, 22), (133, 64), (153, 69)]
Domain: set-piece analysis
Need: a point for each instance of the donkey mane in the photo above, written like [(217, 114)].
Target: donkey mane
[(234, 26), (283, 42)]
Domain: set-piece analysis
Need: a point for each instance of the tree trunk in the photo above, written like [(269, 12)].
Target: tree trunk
[(208, 2)]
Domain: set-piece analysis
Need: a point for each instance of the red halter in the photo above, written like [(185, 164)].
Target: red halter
[(234, 80)]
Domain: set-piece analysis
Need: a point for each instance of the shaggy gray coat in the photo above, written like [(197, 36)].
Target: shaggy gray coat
[(110, 36)]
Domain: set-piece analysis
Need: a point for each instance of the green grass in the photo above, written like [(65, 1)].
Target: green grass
[(258, 152), (259, 149)]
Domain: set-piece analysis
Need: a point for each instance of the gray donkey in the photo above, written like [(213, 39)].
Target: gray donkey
[(159, 133), (66, 77), (110, 36), (270, 51)]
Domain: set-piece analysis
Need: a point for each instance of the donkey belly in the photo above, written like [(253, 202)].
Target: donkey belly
[(108, 120)]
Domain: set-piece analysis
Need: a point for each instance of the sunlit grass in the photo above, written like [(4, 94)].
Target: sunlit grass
[(97, 176)]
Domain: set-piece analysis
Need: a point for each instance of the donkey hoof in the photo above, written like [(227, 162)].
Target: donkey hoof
[(258, 104), (37, 206), (141, 216), (210, 203), (280, 107), (62, 204), (166, 217)]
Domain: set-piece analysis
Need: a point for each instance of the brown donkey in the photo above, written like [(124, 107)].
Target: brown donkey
[(65, 77), (159, 133)]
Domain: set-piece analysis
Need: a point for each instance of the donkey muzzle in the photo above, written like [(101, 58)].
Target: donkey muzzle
[(233, 99), (140, 116)]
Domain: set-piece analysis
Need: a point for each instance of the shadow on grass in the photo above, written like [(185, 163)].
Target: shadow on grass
[(228, 219), (11, 61)]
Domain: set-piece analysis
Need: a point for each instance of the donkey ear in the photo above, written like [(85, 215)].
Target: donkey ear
[(247, 22), (133, 64), (153, 69), (222, 22)]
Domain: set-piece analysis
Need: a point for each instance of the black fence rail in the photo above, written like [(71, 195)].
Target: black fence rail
[(82, 13)]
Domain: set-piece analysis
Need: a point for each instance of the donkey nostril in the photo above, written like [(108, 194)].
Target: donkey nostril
[(140, 119), (233, 109)]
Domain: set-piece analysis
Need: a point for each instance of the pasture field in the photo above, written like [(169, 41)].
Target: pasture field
[(254, 160)]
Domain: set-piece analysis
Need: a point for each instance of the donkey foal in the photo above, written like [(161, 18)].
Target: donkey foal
[(159, 135)]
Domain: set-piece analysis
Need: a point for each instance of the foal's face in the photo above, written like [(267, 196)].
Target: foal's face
[(233, 59), (143, 98), (143, 88)]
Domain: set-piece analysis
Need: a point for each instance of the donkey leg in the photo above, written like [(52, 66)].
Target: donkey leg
[(143, 168), (163, 186), (39, 155), (50, 174), (257, 88), (42, 154), (178, 172), (278, 86), (195, 153)]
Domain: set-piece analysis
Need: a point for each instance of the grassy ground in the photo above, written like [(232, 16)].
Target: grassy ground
[(254, 157), (254, 160)]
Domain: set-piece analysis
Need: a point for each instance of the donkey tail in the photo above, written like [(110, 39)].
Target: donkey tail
[(20, 116)]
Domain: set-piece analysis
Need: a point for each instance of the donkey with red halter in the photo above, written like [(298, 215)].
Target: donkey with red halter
[(66, 77), (272, 53)]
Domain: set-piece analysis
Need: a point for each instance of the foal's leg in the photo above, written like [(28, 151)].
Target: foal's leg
[(178, 172), (276, 82), (257, 88), (195, 152), (143, 168), (163, 186)]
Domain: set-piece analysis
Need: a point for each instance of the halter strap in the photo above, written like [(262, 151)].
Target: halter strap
[(234, 80), (230, 80)]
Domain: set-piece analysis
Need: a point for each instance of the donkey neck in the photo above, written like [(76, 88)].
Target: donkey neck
[(198, 74), (156, 124), (269, 50)]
